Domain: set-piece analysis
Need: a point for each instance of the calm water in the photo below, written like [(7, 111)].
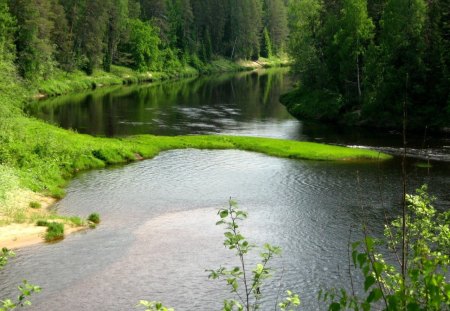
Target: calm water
[(158, 232)]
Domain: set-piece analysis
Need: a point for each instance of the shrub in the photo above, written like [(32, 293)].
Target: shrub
[(35, 205), (423, 283), (42, 223), (55, 231), (95, 218)]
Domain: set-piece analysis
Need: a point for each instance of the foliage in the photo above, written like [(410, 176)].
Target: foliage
[(153, 306), (424, 286), (43, 35), (143, 45), (376, 56), (25, 289), (55, 231), (266, 48), (42, 223), (247, 288), (94, 217), (35, 205)]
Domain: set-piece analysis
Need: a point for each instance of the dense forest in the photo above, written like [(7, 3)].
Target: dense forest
[(358, 62), (45, 35), (362, 61)]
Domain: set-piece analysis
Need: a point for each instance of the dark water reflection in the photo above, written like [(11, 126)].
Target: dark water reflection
[(224, 103), (158, 235)]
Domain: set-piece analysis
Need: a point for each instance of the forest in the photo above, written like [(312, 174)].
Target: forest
[(45, 35), (358, 62), (364, 61)]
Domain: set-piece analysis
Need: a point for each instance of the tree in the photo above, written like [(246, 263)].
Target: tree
[(61, 37), (143, 45), (266, 47), (352, 39), (91, 28), (276, 22), (305, 46), (396, 66), (246, 21), (33, 37), (181, 19), (117, 15)]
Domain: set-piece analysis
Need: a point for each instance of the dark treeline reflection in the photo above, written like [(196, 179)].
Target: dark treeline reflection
[(209, 104)]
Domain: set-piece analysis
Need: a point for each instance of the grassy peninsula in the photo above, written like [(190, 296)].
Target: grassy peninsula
[(37, 159)]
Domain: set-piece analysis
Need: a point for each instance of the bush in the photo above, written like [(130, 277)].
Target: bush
[(35, 205), (95, 218), (423, 282), (55, 231), (42, 223)]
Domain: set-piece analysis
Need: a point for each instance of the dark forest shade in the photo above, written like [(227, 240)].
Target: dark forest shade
[(371, 57)]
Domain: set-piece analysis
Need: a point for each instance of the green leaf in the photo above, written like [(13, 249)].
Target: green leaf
[(374, 295), (335, 306), (223, 214), (370, 280)]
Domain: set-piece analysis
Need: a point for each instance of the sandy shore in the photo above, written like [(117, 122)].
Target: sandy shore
[(13, 236), (21, 235)]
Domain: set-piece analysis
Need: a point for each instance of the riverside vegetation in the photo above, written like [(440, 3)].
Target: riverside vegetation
[(359, 61), (40, 54)]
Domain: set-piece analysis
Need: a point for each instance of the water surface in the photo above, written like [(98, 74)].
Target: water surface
[(158, 232)]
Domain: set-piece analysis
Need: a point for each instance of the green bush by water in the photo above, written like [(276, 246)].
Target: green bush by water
[(94, 218), (55, 231)]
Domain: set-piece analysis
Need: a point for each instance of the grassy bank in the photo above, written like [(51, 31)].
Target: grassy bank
[(37, 158), (63, 82)]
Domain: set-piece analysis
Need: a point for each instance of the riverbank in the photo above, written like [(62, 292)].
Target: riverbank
[(39, 158), (326, 106), (66, 82)]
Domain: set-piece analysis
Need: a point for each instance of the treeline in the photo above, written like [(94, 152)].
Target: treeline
[(364, 60), (42, 35)]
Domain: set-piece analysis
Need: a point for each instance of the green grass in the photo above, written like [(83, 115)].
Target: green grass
[(42, 158), (63, 82), (55, 231), (35, 205), (42, 223), (94, 218)]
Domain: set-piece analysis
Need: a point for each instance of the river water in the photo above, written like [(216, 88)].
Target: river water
[(158, 232)]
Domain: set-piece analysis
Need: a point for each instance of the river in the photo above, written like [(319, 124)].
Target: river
[(158, 232)]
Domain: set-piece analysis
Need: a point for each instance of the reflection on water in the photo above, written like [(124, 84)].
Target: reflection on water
[(224, 103)]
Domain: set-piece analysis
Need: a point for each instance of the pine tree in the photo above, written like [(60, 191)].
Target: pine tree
[(117, 14), (277, 23), (61, 37), (246, 21), (354, 35), (91, 30), (33, 37)]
